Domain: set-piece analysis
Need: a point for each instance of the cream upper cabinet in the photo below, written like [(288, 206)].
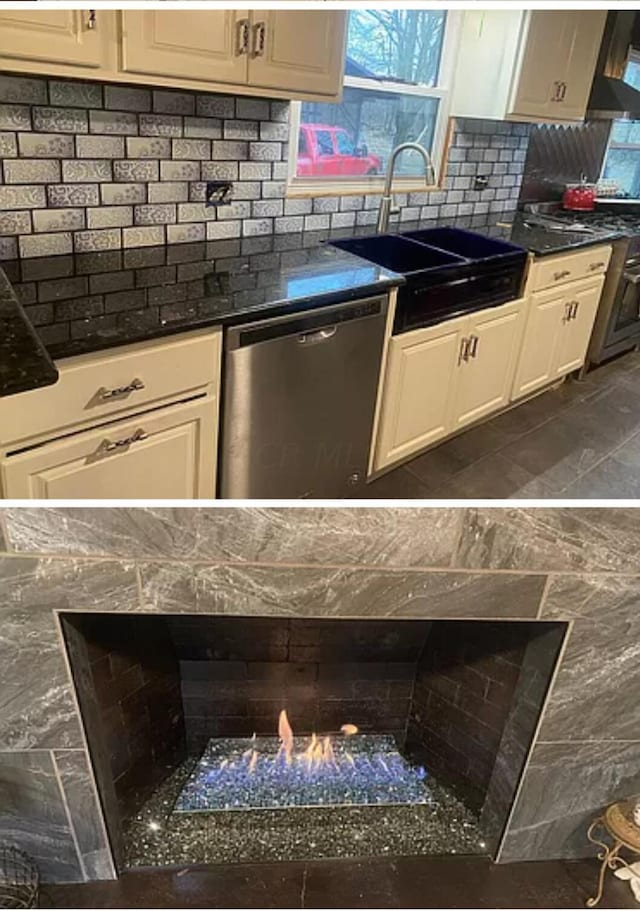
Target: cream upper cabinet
[(543, 63), (488, 363), (300, 50), (210, 45), (73, 38), (557, 334), (165, 454), (418, 390)]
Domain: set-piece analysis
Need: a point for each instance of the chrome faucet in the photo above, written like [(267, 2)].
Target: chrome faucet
[(386, 203)]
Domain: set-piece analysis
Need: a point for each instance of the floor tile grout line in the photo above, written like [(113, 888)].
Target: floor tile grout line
[(595, 465)]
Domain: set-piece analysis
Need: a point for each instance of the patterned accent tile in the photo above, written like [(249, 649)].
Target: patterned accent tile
[(8, 145), (99, 147), (179, 170), (87, 170), (160, 125), (22, 89), (15, 223), (110, 217), (45, 145), (143, 237), (15, 117), (107, 239), (193, 149), (143, 147), (45, 245), (63, 195), (222, 106), (184, 234), (229, 150), (123, 193), (31, 170), (177, 191), (132, 171), (155, 214), (58, 220), (75, 94), (113, 122), (60, 120)]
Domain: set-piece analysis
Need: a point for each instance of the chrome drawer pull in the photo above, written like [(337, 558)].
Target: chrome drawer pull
[(594, 266), (137, 437), (558, 275), (574, 312), (134, 386), (473, 348), (91, 20)]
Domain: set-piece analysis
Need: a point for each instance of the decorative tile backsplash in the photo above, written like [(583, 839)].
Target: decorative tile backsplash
[(87, 166)]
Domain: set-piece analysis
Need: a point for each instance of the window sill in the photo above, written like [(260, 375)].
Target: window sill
[(305, 189)]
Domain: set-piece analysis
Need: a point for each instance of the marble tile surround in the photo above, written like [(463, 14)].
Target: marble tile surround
[(577, 565)]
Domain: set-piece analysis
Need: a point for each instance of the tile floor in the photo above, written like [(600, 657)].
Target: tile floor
[(403, 882), (580, 440)]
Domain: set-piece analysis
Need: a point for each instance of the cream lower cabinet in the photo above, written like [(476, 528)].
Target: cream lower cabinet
[(443, 377), (166, 454), (484, 383), (557, 333)]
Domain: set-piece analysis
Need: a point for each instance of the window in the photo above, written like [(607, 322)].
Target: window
[(397, 74), (622, 162)]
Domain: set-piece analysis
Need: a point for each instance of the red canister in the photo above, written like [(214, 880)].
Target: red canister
[(579, 197)]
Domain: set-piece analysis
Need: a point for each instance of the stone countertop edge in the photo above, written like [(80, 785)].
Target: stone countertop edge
[(24, 361)]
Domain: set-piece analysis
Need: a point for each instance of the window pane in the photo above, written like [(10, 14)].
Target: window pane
[(623, 166), (404, 45), (366, 126)]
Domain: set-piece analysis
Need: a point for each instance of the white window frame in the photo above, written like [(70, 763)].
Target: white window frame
[(319, 186), (634, 56)]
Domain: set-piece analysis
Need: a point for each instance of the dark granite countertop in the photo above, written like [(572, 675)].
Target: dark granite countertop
[(24, 361), (541, 240), (59, 306)]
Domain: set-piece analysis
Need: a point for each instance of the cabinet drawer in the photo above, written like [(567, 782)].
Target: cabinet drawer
[(97, 387), (167, 454), (557, 270)]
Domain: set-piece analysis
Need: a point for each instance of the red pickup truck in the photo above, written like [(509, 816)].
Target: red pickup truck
[(325, 150)]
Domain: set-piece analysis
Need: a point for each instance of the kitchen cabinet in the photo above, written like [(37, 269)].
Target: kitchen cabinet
[(75, 39), (441, 378), (202, 44), (138, 421), (535, 65), (275, 53), (167, 453), (488, 364), (418, 390), (557, 333)]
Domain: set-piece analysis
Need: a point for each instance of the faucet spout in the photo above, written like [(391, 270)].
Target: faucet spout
[(386, 203)]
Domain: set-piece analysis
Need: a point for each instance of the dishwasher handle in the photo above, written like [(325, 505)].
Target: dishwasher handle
[(320, 335), (305, 327)]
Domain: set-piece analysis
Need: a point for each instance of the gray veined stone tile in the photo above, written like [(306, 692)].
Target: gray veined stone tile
[(386, 537), (331, 592), (565, 786), (36, 705), (86, 814), (560, 540), (33, 815), (601, 661)]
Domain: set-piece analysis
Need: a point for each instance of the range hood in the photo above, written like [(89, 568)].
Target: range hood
[(612, 98)]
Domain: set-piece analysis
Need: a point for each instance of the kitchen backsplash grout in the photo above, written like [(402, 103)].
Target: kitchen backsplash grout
[(88, 167)]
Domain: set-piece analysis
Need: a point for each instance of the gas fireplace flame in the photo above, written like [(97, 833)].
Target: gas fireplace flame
[(286, 736)]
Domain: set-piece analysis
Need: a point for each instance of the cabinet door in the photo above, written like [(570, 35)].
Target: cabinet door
[(582, 305), (191, 44), (486, 375), (584, 35), (61, 36), (170, 453), (536, 364), (419, 390), (541, 64), (298, 50)]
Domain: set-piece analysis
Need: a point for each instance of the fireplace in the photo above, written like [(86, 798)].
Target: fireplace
[(226, 738)]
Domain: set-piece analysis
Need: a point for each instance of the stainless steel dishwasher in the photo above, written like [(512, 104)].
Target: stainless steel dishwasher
[(298, 402)]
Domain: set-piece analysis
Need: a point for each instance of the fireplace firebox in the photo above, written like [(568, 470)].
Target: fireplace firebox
[(221, 738)]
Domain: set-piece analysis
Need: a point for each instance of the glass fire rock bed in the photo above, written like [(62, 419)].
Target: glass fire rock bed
[(248, 799), (241, 774)]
